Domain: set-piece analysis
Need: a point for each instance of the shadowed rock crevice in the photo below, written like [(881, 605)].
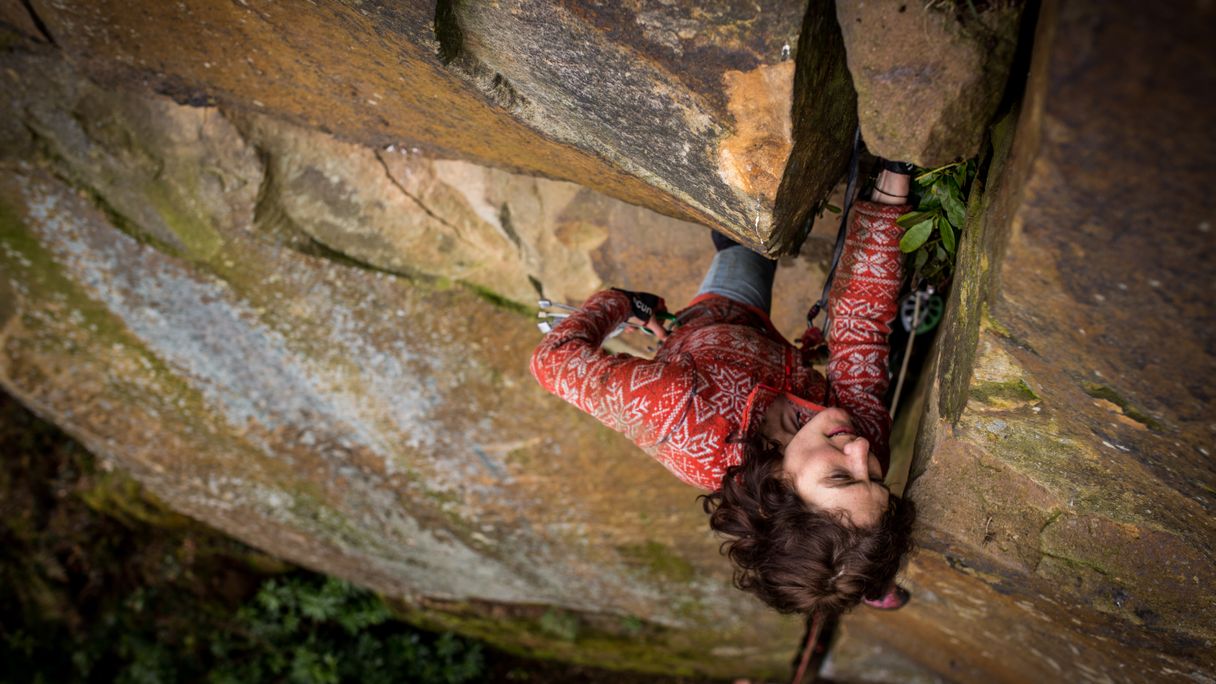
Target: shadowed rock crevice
[(37, 21), (454, 55), (1057, 473), (824, 114), (269, 217), (505, 222)]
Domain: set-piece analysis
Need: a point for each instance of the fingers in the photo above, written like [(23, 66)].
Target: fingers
[(655, 326)]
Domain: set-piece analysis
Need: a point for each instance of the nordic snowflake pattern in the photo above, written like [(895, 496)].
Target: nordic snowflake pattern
[(686, 407)]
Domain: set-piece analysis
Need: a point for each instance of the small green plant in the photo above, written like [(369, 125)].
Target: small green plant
[(935, 226), (312, 629)]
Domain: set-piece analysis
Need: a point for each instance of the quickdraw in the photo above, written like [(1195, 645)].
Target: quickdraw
[(564, 310)]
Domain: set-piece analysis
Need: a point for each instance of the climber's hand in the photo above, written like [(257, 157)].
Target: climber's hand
[(654, 325), (647, 309)]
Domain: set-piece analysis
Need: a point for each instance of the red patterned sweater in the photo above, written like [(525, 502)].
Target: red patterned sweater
[(716, 375)]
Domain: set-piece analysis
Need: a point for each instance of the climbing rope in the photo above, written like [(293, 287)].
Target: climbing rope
[(912, 330)]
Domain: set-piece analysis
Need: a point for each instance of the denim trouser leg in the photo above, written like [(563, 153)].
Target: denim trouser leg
[(742, 275)]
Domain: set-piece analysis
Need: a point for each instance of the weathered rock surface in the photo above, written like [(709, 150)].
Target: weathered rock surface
[(316, 345), (929, 75), (1063, 470), (318, 348), (683, 108)]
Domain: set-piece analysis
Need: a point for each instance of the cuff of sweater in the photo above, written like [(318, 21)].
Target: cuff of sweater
[(613, 303)]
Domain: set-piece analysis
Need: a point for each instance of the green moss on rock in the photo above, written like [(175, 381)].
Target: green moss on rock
[(659, 560), (201, 241), (597, 640), (1003, 393), (1129, 409)]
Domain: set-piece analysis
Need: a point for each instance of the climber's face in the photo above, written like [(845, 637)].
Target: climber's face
[(832, 468)]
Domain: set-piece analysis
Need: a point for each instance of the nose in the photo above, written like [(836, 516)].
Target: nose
[(857, 456)]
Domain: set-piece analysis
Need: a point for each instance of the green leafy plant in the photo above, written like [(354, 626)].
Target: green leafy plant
[(308, 628), (935, 227)]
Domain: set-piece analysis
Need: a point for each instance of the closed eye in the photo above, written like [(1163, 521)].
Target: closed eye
[(843, 478)]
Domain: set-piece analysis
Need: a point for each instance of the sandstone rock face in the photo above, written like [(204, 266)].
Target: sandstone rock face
[(1063, 469), (681, 107), (319, 348), (929, 75)]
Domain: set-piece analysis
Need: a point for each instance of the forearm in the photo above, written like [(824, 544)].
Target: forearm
[(863, 302), (578, 338), (862, 306), (891, 188), (634, 396), (864, 295)]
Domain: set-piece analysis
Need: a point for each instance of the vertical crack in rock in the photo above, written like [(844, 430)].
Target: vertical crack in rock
[(267, 215), (447, 32), (38, 23), (504, 220), (536, 285), (415, 199), (452, 53)]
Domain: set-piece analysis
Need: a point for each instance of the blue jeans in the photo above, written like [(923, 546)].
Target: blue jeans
[(740, 274)]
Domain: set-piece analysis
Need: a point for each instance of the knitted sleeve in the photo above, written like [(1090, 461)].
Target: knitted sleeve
[(862, 304), (640, 398)]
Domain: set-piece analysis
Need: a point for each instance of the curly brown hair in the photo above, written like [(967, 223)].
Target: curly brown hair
[(795, 558)]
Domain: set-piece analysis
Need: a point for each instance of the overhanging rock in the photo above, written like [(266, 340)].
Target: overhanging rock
[(317, 347), (684, 108)]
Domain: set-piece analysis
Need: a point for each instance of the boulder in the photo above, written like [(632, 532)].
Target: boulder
[(929, 75), (320, 348)]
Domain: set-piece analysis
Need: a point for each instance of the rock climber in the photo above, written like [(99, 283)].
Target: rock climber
[(794, 462)]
